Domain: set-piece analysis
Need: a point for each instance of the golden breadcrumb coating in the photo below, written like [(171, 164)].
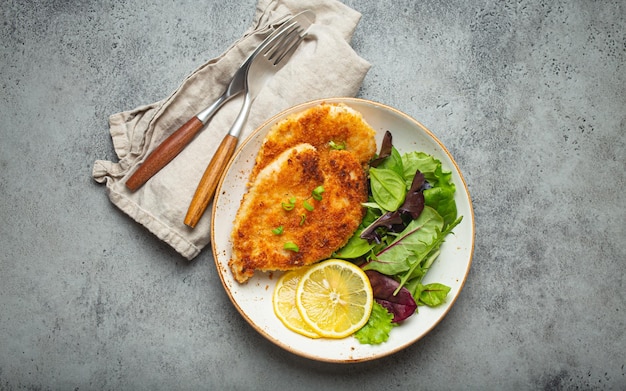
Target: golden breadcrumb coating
[(328, 145), (317, 233), (319, 126)]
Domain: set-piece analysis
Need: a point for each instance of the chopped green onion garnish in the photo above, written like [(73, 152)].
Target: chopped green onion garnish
[(317, 192), (302, 219), (291, 246), (278, 230), (336, 146), (290, 205), (307, 206)]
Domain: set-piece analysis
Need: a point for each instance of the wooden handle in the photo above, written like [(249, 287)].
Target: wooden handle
[(208, 183), (164, 153)]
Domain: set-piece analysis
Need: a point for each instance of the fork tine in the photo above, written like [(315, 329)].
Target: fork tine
[(287, 46), (284, 40), (278, 37), (267, 60)]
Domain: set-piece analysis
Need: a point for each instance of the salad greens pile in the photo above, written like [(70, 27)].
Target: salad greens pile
[(410, 211)]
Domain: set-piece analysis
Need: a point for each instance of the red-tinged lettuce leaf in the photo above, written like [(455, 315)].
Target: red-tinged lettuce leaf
[(385, 150), (377, 328), (402, 305), (414, 200), (390, 221), (393, 162)]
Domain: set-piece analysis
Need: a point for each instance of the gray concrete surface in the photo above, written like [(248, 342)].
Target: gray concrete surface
[(528, 95)]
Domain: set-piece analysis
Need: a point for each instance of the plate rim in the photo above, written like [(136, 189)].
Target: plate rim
[(274, 119)]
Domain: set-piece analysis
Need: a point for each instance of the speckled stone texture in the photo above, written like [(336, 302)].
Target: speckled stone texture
[(529, 96)]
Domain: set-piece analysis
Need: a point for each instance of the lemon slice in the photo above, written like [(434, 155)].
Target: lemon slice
[(284, 302), (335, 298)]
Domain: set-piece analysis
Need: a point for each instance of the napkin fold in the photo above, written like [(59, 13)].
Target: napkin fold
[(324, 66)]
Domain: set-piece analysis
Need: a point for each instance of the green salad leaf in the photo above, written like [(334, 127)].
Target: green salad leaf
[(377, 328), (425, 163), (388, 188), (411, 246), (431, 295), (355, 248), (423, 264), (393, 162), (401, 234), (441, 194)]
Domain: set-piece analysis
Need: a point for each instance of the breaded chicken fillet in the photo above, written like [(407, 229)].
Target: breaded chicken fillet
[(281, 226), (327, 127)]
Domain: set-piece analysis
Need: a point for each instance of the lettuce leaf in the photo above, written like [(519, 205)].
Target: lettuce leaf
[(441, 197), (441, 194), (377, 328), (432, 295), (402, 304), (425, 163)]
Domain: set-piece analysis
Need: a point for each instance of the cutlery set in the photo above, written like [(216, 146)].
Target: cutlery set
[(253, 74)]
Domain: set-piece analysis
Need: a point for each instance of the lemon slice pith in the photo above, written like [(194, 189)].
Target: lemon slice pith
[(284, 302), (334, 298)]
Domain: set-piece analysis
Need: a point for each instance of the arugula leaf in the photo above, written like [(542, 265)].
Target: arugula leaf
[(432, 253), (411, 246), (420, 271), (377, 328), (388, 188)]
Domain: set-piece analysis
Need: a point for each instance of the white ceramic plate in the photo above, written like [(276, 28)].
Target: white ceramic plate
[(254, 299)]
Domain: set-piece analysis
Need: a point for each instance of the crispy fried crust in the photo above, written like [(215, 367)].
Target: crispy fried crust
[(295, 158), (318, 126), (295, 173)]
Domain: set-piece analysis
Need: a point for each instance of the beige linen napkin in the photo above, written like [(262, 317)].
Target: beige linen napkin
[(323, 66)]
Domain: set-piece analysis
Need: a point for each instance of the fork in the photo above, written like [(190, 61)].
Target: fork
[(177, 141), (261, 69)]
